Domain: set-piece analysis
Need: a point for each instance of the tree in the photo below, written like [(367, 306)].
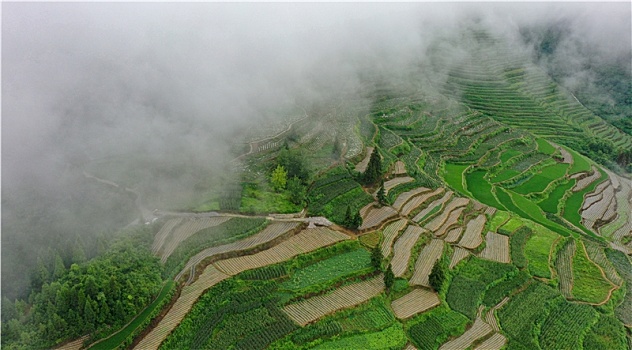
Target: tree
[(437, 276), (389, 277), (89, 315), (292, 161), (59, 268), (381, 195), (373, 170), (78, 253), (376, 257), (296, 190), (351, 220), (279, 178)]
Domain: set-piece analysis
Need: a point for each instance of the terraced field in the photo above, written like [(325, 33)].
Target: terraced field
[(485, 179), (311, 309)]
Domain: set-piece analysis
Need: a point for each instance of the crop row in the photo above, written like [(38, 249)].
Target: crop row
[(388, 185), (402, 249), (376, 216), (454, 235), (305, 241), (234, 229), (417, 301), (266, 235), (478, 330), (565, 325), (496, 248), (440, 219), (309, 310), (361, 167), (458, 255), (525, 308), (501, 291), (426, 260), (450, 222), (185, 230), (473, 233), (438, 203), (390, 233), (435, 328), (164, 232), (403, 198), (564, 267), (180, 308)]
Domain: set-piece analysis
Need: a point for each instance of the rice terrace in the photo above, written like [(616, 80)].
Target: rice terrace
[(474, 202)]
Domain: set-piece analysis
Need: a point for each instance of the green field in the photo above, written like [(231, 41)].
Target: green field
[(579, 162), (431, 329), (454, 177), (537, 250), (389, 338), (498, 219), (545, 147), (508, 154), (541, 180), (511, 225), (329, 269), (588, 283), (481, 189), (550, 204), (504, 175)]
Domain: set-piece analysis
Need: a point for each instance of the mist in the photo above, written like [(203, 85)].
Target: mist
[(154, 96)]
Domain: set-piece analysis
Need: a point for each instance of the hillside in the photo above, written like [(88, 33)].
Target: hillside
[(459, 209)]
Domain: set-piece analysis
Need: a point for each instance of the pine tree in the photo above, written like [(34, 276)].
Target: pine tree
[(296, 190), (437, 276), (389, 277), (59, 268), (381, 195), (373, 170), (352, 221), (376, 257)]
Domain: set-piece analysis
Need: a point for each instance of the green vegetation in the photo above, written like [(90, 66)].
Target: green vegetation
[(499, 218), (588, 283), (574, 203), (96, 297), (517, 242), (278, 179), (545, 147), (454, 176), (537, 250), (565, 325), (624, 268), (471, 281), (511, 226), (504, 288), (540, 181), (232, 313), (373, 172), (519, 316), (579, 162), (125, 336), (392, 337), (256, 200), (351, 263), (481, 189), (550, 204), (431, 329), (607, 333), (333, 191)]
